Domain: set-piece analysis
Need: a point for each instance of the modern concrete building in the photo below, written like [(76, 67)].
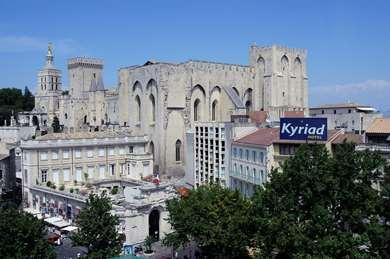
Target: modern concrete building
[(351, 117), (210, 149)]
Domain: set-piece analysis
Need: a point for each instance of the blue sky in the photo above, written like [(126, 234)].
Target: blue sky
[(348, 42)]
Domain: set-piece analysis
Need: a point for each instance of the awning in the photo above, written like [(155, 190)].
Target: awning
[(69, 228), (32, 211), (57, 222)]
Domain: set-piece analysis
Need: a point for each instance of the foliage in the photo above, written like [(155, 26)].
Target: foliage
[(148, 244), (321, 206), (62, 187), (56, 125), (22, 236), (12, 100), (114, 190), (97, 228), (212, 216), (71, 190), (48, 184)]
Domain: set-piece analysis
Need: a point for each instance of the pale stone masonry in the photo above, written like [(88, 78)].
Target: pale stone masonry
[(75, 159), (163, 100)]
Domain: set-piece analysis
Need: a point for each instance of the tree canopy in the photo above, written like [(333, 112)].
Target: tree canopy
[(22, 236), (97, 228), (316, 205), (319, 205), (12, 100), (213, 217)]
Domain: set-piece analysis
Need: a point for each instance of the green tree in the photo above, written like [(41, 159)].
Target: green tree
[(212, 216), (22, 236), (97, 228), (56, 125), (28, 100), (11, 102), (320, 206)]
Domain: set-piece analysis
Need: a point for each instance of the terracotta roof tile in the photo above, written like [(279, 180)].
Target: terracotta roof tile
[(261, 137), (381, 126), (349, 138), (258, 116), (294, 114)]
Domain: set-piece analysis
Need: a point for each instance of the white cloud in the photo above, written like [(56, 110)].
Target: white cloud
[(12, 44), (370, 92)]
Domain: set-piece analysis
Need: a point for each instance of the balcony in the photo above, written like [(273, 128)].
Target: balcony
[(382, 148)]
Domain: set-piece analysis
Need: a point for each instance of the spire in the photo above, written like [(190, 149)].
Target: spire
[(49, 56)]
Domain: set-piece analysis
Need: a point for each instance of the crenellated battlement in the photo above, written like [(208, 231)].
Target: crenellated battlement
[(300, 51), (85, 62), (210, 65)]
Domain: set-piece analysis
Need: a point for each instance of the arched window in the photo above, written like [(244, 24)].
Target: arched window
[(178, 150), (138, 108), (153, 108), (248, 99), (284, 64), (214, 110), (196, 109), (151, 149)]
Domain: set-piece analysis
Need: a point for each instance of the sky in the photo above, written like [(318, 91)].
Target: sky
[(348, 42)]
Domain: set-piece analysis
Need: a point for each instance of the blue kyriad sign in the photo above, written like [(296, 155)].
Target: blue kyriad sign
[(303, 128)]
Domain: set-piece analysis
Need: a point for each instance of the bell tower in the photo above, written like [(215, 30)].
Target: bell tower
[(48, 87)]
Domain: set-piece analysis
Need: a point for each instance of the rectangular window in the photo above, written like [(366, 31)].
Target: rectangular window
[(54, 155), (77, 153), (79, 174), (102, 172), (65, 154), (90, 172), (101, 151), (234, 152), (131, 149), (112, 169), (262, 157), (121, 151), (66, 173), (90, 153), (56, 176), (122, 169), (247, 154), (111, 151), (254, 156), (240, 153), (43, 155), (44, 176)]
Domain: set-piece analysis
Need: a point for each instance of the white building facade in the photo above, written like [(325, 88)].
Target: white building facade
[(351, 117), (69, 161)]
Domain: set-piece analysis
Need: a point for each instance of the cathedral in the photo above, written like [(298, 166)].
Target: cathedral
[(163, 100)]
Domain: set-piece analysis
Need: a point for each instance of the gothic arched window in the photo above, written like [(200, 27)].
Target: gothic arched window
[(214, 110), (196, 109), (138, 108), (178, 150), (153, 108)]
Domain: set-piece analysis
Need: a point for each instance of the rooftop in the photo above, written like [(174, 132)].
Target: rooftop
[(340, 105), (268, 136), (380, 126), (349, 138), (85, 135), (261, 137)]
